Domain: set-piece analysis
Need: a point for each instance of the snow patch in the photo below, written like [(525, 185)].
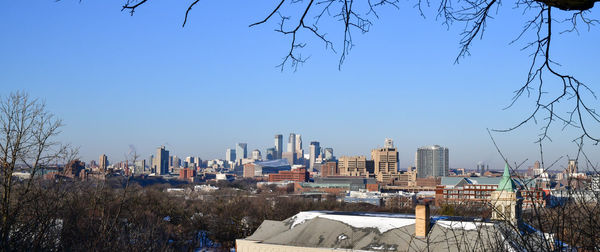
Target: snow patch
[(301, 217), (464, 225), (383, 224)]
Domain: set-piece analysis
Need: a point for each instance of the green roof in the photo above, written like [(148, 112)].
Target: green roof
[(506, 184)]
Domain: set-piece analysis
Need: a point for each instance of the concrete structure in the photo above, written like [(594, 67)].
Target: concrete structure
[(314, 152), (328, 154), (353, 166), (291, 147), (290, 157), (385, 161), (572, 167), (278, 146), (432, 161), (103, 162), (256, 154), (187, 174), (161, 161), (241, 151), (298, 146)]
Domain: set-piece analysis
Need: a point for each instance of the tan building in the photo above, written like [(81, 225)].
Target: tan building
[(385, 161), (353, 166), (103, 163)]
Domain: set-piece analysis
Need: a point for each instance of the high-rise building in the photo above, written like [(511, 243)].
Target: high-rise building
[(432, 161), (389, 143), (385, 161), (256, 154), (150, 163), (271, 154), (572, 167), (241, 151), (314, 151), (230, 155), (353, 166), (190, 161), (328, 154), (176, 162), (103, 162), (291, 147), (161, 161), (298, 147), (278, 146)]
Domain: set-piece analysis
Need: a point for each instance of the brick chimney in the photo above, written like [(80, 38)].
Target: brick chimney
[(422, 220)]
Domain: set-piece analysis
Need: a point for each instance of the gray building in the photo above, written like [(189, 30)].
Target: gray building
[(271, 154), (241, 151), (256, 154), (278, 146), (328, 154), (230, 155), (292, 143), (315, 150), (432, 161), (161, 161)]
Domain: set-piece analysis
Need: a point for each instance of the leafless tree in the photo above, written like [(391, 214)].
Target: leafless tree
[(27, 143)]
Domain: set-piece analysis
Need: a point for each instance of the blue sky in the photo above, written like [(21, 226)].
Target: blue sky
[(118, 80)]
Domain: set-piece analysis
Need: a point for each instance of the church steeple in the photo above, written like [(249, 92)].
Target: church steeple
[(506, 184), (506, 200)]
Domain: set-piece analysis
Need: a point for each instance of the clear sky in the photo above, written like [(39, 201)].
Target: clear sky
[(145, 81)]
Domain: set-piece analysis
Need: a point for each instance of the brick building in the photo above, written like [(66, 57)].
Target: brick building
[(297, 175), (187, 174)]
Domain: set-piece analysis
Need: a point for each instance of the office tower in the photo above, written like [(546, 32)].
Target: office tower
[(176, 162), (190, 160), (389, 143), (328, 154), (241, 151), (278, 146), (385, 162), (256, 155), (291, 143), (150, 163), (572, 167), (290, 156), (170, 161), (432, 161), (271, 154), (537, 169), (103, 162), (298, 146), (353, 166), (230, 155), (139, 166), (161, 161), (314, 151)]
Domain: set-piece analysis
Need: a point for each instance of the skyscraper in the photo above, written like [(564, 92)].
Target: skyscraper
[(271, 154), (432, 161), (385, 161), (256, 154), (103, 162), (161, 161), (230, 155), (314, 151), (328, 154), (278, 146), (241, 151), (291, 143), (298, 148), (572, 167)]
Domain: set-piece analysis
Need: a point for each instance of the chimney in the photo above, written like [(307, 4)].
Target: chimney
[(422, 220)]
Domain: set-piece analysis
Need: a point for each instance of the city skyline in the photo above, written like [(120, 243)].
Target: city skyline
[(107, 106)]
